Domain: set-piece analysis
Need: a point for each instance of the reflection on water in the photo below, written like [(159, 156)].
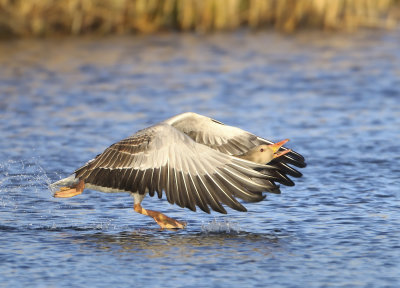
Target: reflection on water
[(156, 244), (63, 101)]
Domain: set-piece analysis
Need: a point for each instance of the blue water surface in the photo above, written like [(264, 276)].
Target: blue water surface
[(336, 96)]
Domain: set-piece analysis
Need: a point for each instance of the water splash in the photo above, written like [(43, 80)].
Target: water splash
[(106, 225), (216, 227), (27, 171), (21, 178)]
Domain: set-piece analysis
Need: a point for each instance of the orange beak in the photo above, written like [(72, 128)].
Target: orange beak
[(275, 148)]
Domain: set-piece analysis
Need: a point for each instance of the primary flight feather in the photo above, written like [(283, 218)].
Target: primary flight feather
[(195, 160)]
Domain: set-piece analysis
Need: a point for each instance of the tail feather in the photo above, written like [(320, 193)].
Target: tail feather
[(67, 187)]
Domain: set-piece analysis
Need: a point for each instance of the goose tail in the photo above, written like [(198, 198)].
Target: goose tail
[(67, 187)]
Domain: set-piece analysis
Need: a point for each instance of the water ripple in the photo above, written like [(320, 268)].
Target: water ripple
[(63, 101)]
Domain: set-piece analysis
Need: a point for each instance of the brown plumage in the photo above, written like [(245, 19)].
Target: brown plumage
[(195, 160)]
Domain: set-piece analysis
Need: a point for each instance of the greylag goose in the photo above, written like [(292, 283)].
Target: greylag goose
[(195, 160)]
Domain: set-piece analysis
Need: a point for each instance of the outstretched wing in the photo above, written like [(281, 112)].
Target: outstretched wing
[(233, 141), (161, 158)]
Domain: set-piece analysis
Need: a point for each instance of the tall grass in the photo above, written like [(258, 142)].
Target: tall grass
[(53, 17)]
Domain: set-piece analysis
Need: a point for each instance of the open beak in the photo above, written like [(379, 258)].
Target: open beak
[(275, 148)]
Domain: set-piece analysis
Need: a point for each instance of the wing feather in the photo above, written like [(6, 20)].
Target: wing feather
[(162, 158), (201, 202), (210, 197), (232, 140)]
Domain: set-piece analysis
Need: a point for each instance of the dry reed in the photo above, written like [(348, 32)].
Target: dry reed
[(54, 17)]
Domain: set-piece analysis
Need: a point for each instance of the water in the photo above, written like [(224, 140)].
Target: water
[(337, 98)]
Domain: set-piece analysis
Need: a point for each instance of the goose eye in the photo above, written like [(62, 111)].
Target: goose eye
[(262, 150)]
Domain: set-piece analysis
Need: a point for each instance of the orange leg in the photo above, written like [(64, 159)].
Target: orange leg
[(66, 192), (161, 219)]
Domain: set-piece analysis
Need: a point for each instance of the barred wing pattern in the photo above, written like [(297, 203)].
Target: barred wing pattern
[(235, 141), (162, 158)]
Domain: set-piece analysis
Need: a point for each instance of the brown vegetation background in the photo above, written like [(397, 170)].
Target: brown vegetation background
[(66, 17)]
